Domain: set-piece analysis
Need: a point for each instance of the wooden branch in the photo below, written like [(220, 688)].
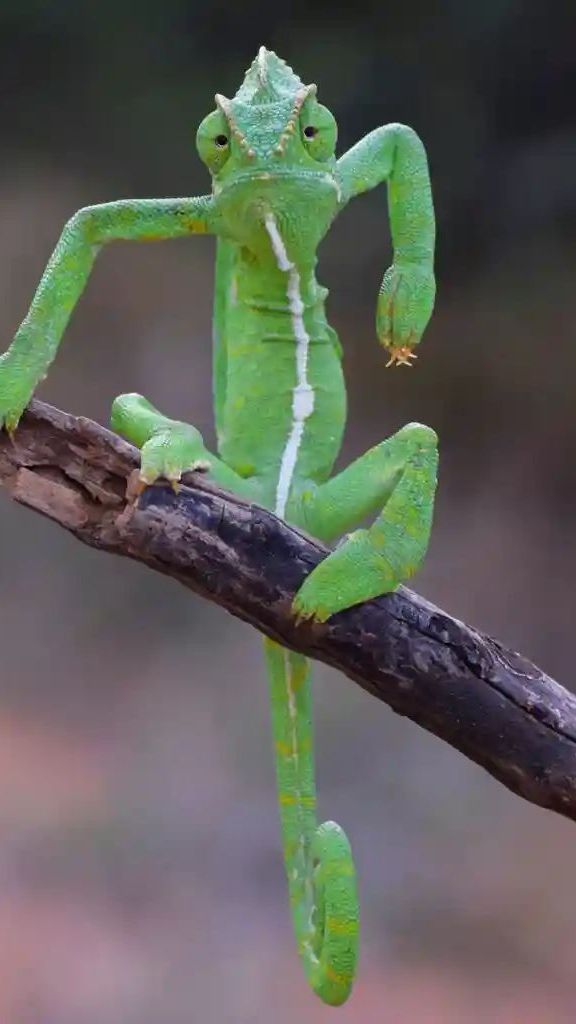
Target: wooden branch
[(490, 703)]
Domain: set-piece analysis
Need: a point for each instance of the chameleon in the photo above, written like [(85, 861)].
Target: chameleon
[(280, 405)]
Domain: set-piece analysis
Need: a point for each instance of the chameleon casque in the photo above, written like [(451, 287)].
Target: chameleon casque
[(280, 404)]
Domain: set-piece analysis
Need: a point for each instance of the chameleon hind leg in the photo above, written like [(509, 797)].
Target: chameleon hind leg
[(397, 476), (169, 447)]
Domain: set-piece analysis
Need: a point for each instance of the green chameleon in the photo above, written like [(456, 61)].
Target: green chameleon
[(280, 404)]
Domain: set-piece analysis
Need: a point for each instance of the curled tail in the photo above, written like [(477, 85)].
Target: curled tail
[(317, 858)]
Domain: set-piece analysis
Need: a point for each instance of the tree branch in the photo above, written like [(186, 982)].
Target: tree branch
[(493, 705)]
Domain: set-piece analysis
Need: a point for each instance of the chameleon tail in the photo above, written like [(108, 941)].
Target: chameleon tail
[(318, 860)]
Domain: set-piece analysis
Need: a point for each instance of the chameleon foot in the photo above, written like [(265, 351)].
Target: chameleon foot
[(16, 388), (355, 572), (170, 452), (401, 356), (168, 447)]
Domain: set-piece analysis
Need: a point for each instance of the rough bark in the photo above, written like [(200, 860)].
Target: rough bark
[(490, 703)]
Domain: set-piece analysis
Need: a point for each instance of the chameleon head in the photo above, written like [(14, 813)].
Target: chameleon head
[(271, 149)]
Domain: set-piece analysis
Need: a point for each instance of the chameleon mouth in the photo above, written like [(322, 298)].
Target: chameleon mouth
[(278, 175)]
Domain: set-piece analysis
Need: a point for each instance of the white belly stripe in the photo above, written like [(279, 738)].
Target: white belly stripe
[(303, 393)]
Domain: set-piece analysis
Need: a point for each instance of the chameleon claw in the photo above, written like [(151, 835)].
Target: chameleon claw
[(140, 485), (300, 615), (135, 485), (149, 476), (401, 356), (303, 616), (11, 425)]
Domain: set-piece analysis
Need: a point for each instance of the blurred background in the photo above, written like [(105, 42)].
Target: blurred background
[(140, 872)]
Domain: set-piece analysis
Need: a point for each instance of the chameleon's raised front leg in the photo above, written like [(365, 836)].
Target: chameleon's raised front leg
[(36, 342), (398, 476), (170, 447), (396, 155)]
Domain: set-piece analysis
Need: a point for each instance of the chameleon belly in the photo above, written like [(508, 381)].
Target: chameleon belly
[(280, 378)]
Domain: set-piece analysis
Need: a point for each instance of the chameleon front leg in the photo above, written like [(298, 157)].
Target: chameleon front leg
[(398, 476), (395, 154), (170, 447), (36, 342)]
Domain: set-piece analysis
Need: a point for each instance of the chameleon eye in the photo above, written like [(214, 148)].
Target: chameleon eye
[(318, 130), (213, 141)]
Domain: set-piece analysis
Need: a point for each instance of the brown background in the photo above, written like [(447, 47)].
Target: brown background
[(140, 876)]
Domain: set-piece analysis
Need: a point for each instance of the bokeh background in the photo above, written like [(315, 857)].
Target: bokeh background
[(140, 874)]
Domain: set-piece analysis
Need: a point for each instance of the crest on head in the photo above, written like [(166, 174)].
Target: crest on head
[(269, 79), (273, 115), (264, 112)]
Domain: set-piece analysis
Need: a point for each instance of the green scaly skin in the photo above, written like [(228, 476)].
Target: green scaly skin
[(280, 404)]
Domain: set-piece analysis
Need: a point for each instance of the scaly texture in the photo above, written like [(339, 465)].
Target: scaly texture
[(280, 402)]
